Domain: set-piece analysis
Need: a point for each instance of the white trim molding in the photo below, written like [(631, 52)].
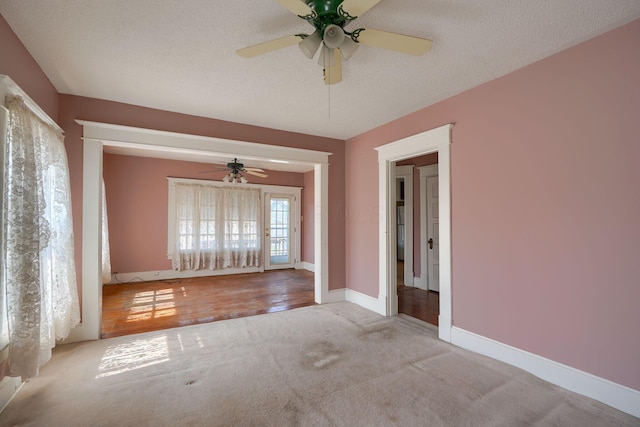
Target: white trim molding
[(618, 396), (337, 295), (147, 276), (99, 135), (9, 87), (376, 305), (308, 266), (9, 387), (432, 141), (91, 267)]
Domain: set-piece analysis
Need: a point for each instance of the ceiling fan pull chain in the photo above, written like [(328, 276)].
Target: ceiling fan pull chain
[(329, 88)]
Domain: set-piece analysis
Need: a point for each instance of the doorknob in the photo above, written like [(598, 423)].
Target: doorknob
[(430, 242)]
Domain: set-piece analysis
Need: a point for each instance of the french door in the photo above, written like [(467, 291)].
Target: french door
[(280, 231)]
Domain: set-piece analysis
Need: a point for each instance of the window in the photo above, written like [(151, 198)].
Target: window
[(214, 227)]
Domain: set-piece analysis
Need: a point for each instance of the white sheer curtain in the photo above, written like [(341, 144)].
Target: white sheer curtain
[(106, 251), (216, 227), (39, 270)]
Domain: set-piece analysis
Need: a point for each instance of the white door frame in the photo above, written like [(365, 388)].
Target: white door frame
[(406, 172), (294, 228), (437, 140), (97, 135)]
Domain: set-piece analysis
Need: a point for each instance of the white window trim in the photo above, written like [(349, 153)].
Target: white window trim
[(272, 190)]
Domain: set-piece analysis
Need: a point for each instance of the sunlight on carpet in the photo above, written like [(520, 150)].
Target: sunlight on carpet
[(133, 355)]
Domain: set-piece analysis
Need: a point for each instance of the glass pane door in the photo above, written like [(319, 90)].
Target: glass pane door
[(278, 233)]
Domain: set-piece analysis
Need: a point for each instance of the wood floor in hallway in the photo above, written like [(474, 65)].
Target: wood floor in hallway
[(149, 306), (418, 303)]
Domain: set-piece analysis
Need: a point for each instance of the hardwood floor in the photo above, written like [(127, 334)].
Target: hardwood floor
[(150, 306), (418, 303)]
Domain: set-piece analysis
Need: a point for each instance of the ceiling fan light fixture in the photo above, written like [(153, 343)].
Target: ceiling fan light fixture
[(348, 48), (227, 178), (310, 44), (333, 36), (325, 58), (243, 179)]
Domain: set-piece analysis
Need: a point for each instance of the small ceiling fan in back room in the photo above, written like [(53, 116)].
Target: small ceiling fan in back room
[(236, 170), (329, 19)]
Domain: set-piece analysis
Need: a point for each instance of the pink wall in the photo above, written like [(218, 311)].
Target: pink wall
[(545, 206), (17, 63), (74, 107), (137, 206), (308, 214)]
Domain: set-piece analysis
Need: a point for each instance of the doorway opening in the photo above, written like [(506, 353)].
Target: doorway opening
[(418, 294), (171, 145), (281, 221), (434, 141)]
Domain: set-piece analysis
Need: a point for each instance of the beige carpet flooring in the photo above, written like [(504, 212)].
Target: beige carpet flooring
[(329, 365)]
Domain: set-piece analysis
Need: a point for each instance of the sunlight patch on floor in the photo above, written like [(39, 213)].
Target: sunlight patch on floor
[(152, 305), (137, 354)]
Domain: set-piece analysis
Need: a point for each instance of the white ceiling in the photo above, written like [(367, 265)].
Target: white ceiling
[(180, 56)]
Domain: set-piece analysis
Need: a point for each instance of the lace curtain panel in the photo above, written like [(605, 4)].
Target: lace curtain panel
[(106, 254), (216, 228), (39, 273)]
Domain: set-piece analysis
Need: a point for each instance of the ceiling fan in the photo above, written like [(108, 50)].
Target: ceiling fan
[(329, 18), (236, 170)]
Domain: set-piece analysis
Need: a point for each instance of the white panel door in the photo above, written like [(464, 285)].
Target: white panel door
[(433, 237), (279, 240)]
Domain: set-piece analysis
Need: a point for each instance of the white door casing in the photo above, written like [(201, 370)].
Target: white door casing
[(433, 238), (437, 140), (281, 243)]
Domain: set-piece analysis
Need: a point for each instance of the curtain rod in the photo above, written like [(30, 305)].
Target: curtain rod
[(9, 87)]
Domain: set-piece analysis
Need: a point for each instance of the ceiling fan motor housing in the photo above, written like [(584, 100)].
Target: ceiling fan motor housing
[(327, 12), (235, 166)]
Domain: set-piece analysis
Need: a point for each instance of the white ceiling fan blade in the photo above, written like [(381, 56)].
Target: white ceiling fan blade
[(333, 67), (215, 170), (261, 175), (392, 41), (254, 169), (297, 7), (356, 8), (259, 49)]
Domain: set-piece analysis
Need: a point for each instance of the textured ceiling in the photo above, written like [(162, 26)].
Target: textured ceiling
[(180, 56)]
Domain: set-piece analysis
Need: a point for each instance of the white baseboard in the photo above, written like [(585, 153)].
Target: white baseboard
[(9, 387), (337, 295), (309, 266), (355, 297), (370, 303), (420, 282), (618, 396), (145, 276)]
